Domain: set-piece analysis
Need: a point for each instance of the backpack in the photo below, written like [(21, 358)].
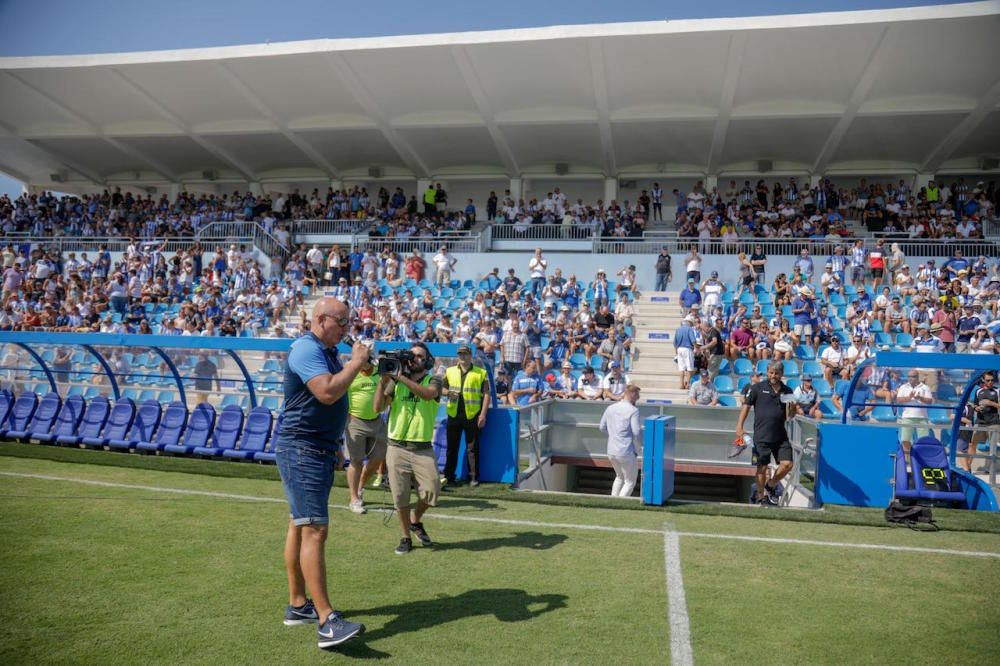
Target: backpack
[(911, 516)]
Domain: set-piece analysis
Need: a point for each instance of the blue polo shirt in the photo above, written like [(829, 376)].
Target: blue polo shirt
[(307, 421), (689, 297), (802, 318), (523, 381)]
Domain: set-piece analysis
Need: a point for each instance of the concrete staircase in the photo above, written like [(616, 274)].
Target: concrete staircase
[(653, 367)]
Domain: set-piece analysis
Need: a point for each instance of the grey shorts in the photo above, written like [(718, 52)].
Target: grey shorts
[(413, 470), (366, 439)]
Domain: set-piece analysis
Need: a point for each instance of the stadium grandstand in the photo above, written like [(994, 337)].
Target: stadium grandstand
[(670, 204)]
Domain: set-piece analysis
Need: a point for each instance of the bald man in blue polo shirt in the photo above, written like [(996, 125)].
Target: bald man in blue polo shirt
[(315, 413)]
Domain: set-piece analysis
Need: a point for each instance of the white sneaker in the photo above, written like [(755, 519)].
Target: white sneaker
[(357, 506)]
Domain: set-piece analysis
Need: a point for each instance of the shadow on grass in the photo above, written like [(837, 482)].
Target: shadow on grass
[(467, 503), (504, 604), (529, 540)]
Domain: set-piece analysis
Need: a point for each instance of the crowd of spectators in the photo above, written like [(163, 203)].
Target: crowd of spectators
[(793, 210), (189, 292), (830, 315)]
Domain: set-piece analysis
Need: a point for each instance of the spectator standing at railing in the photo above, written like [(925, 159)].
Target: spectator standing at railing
[(537, 267), (664, 274), (444, 262)]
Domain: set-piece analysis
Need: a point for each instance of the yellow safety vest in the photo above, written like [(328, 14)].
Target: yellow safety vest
[(412, 419), (430, 196), (472, 390), (362, 396), (932, 194)]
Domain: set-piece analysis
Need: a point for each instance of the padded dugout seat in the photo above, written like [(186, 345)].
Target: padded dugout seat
[(119, 421), (225, 434), (6, 403), (147, 419), (256, 435), (21, 413), (95, 416), (42, 420), (170, 430), (930, 477), (67, 422), (199, 429)]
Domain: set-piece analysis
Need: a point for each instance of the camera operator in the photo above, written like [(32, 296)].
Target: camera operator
[(413, 394)]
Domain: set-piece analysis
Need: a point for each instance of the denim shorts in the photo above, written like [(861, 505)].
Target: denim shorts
[(306, 476)]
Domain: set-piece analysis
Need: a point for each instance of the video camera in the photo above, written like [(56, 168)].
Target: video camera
[(391, 362)]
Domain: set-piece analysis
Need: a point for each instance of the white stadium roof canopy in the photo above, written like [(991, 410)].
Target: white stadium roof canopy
[(914, 90)]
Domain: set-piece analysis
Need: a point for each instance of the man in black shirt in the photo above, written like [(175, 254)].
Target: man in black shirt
[(771, 409), (712, 347), (986, 400)]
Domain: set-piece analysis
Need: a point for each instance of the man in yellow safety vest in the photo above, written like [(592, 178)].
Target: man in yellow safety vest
[(468, 395)]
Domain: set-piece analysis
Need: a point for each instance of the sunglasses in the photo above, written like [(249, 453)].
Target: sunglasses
[(342, 321)]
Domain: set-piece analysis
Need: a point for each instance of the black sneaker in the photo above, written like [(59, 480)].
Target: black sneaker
[(337, 630), (421, 533), (404, 547), (304, 614)]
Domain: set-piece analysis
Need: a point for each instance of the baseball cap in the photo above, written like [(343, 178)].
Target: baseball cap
[(690, 280), (567, 365), (614, 364), (715, 273)]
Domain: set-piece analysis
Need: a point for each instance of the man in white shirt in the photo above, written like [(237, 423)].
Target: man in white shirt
[(913, 418), (622, 425), (445, 263), (614, 383), (832, 360), (537, 266)]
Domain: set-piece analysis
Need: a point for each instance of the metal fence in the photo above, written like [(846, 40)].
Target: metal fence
[(330, 226), (540, 232), (463, 241), (787, 246)]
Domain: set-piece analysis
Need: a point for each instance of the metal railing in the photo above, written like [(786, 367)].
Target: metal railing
[(245, 231), (338, 226), (116, 243), (455, 241), (540, 232), (650, 244)]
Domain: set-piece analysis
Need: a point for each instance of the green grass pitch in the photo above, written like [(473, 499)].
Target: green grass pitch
[(99, 574)]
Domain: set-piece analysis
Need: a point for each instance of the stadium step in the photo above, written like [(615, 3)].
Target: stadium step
[(653, 366)]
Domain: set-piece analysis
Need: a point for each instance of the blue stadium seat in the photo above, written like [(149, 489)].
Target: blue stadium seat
[(267, 455), (95, 416), (230, 399), (6, 403), (171, 428), (119, 421), (165, 397), (805, 353), (147, 394), (762, 367), (828, 409), (256, 434), (728, 401), (91, 392), (743, 367), (903, 341), (68, 421), (793, 383), (145, 420), (822, 387), (225, 434), (884, 414), (791, 368), (199, 429), (742, 384), (940, 416), (41, 421), (272, 402), (932, 478), (724, 367), (724, 384), (812, 368)]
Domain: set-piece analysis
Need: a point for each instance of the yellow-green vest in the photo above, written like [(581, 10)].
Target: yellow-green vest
[(932, 194), (430, 196), (472, 390), (362, 396), (412, 419)]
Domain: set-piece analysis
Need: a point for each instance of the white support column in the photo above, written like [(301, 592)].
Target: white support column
[(336, 184), (256, 189), (711, 182), (815, 179), (174, 191), (610, 190), (921, 180), (515, 189)]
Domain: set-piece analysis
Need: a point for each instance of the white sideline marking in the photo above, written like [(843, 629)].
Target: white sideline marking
[(680, 626), (531, 523)]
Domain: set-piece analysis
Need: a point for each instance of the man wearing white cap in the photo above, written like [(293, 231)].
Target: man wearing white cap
[(613, 384), (684, 341)]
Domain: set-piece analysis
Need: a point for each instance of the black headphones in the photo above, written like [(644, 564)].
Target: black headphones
[(429, 363)]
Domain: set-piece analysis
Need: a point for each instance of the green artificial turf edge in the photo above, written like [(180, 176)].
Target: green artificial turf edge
[(952, 520)]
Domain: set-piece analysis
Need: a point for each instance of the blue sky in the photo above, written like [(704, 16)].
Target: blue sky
[(65, 27)]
